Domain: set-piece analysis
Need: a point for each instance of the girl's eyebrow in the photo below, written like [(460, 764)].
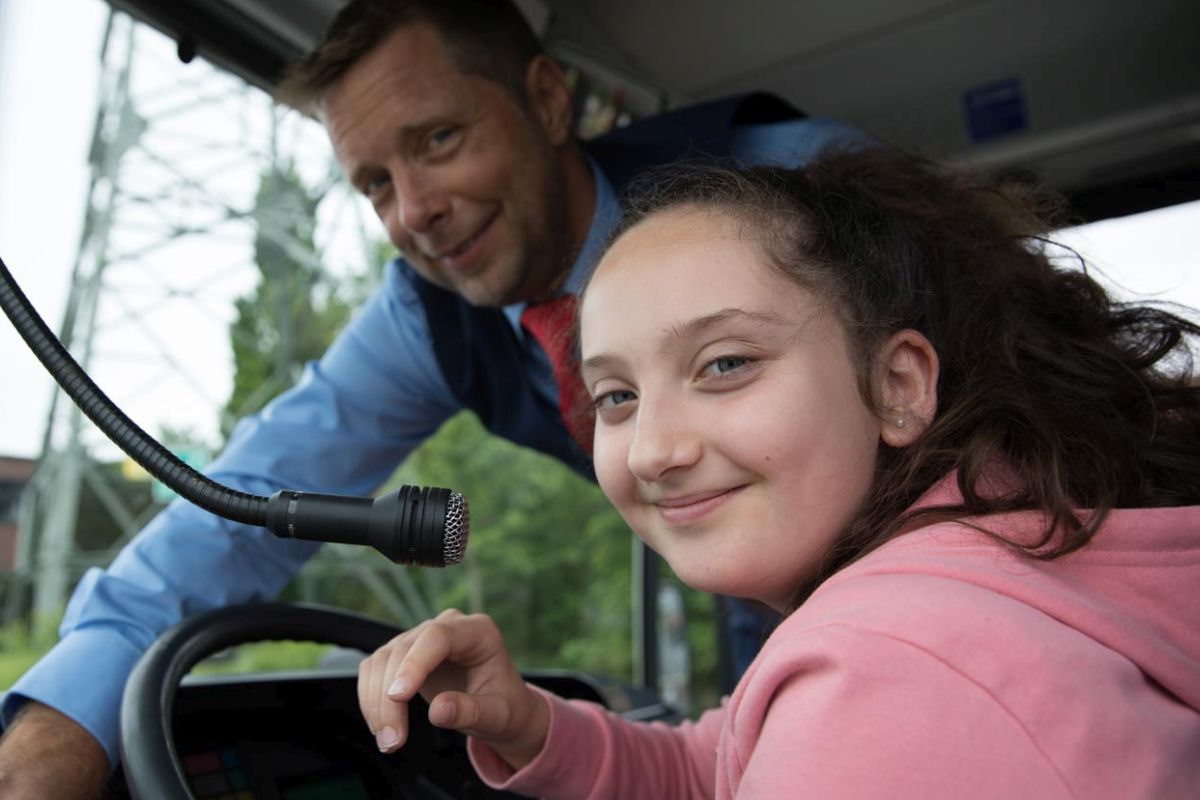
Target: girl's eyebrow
[(691, 328)]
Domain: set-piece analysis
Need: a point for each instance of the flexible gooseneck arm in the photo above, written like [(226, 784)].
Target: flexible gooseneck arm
[(426, 526)]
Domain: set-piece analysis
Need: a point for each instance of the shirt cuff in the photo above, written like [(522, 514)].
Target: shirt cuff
[(83, 676), (556, 770)]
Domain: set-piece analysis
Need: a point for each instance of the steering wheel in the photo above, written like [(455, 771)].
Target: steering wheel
[(152, 766)]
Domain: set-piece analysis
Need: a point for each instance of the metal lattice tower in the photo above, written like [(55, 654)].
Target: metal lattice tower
[(176, 157)]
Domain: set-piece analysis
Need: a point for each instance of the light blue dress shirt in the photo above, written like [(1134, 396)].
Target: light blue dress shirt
[(353, 416)]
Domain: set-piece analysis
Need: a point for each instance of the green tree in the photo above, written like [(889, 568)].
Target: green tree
[(294, 312), (549, 558)]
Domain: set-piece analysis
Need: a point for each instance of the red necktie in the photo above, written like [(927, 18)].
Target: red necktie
[(552, 324)]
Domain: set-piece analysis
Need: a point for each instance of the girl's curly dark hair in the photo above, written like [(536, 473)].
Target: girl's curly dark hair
[(1091, 404)]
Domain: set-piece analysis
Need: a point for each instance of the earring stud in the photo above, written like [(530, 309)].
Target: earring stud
[(899, 422)]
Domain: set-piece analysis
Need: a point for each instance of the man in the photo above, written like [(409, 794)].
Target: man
[(449, 118)]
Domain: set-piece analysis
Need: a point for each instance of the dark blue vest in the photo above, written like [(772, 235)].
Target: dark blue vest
[(476, 348)]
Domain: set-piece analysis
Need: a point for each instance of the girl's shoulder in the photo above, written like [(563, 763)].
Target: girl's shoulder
[(950, 642)]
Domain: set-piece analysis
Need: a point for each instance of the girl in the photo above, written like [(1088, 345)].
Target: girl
[(861, 393)]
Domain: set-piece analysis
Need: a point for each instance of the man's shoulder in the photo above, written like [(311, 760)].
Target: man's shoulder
[(698, 131), (719, 115)]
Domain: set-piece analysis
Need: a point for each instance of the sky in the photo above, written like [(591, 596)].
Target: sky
[(43, 141), (48, 91)]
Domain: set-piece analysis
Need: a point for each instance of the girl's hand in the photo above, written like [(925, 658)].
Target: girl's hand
[(460, 665)]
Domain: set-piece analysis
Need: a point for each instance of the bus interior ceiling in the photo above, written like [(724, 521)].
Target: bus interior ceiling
[(1097, 98)]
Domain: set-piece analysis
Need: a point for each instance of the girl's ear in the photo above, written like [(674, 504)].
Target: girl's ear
[(905, 382), (549, 98)]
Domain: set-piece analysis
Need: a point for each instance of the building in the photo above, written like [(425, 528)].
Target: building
[(15, 473)]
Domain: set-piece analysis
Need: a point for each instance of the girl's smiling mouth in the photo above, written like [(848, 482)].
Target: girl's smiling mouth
[(692, 507)]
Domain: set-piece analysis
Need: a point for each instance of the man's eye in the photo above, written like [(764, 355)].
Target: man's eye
[(441, 139), (724, 365), (373, 186)]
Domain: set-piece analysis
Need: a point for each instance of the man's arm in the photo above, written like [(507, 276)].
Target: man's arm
[(47, 754), (375, 395)]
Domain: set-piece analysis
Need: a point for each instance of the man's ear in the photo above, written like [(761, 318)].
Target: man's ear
[(905, 382), (549, 98)]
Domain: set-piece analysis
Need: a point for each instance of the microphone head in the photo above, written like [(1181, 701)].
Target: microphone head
[(426, 526), (457, 529)]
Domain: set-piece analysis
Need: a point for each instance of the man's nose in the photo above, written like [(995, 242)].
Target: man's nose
[(663, 441), (420, 205)]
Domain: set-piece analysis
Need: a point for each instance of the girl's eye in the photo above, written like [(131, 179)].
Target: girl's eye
[(613, 399), (724, 365)]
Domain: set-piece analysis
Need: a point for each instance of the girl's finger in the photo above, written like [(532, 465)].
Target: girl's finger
[(391, 713), (385, 723), (427, 651), (465, 641), (366, 702), (485, 715)]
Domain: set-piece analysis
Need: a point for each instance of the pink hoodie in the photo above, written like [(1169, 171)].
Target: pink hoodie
[(940, 666)]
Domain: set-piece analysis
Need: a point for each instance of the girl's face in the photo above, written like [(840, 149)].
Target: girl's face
[(731, 433)]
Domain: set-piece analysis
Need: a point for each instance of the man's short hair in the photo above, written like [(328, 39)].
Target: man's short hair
[(488, 38)]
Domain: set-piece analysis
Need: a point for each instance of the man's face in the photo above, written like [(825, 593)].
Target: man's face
[(467, 181)]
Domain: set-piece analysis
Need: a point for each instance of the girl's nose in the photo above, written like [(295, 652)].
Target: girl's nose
[(663, 441)]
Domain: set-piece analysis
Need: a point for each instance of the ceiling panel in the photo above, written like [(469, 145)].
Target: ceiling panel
[(1106, 87), (688, 46)]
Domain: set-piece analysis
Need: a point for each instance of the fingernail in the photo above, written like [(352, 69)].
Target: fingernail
[(441, 714), (386, 739), (398, 686)]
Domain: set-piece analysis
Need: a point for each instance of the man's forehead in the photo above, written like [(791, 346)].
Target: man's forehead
[(412, 56), (405, 77)]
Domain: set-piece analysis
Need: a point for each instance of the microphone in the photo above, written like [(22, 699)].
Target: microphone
[(413, 525)]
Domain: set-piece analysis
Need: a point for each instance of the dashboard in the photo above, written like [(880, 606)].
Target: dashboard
[(299, 736)]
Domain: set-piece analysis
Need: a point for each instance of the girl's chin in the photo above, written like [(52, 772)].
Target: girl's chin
[(705, 581)]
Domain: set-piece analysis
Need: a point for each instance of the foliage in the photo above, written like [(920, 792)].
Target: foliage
[(552, 556), (549, 559), (21, 646), (14, 663), (19, 650), (293, 314), (702, 642), (264, 657)]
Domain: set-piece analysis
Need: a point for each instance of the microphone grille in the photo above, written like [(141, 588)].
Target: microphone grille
[(458, 527)]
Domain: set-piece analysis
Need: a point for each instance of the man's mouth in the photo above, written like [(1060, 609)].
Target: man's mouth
[(463, 253)]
